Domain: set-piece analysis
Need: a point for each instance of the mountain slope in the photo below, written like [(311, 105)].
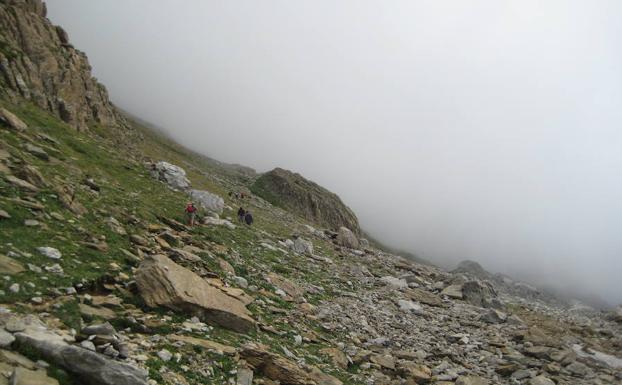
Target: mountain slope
[(84, 219)]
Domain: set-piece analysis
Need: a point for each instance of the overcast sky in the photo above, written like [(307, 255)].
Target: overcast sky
[(486, 130)]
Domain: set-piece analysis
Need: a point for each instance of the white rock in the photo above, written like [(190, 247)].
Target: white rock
[(165, 355), (88, 345), (14, 288), (174, 176), (50, 252), (396, 283), (241, 282), (302, 246), (410, 307), (208, 201)]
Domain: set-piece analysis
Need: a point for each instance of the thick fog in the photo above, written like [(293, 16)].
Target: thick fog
[(484, 130)]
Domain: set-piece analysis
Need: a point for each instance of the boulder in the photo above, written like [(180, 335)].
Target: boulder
[(23, 376), (471, 380), (162, 282), (541, 380), (453, 291), (479, 293), (410, 307), (346, 238), (396, 283), (172, 175), (493, 316), (302, 246), (208, 200), (10, 266), (280, 369), (425, 297), (50, 252), (90, 367), (8, 118)]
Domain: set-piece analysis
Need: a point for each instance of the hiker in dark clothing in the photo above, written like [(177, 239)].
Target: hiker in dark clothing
[(241, 214), (248, 218)]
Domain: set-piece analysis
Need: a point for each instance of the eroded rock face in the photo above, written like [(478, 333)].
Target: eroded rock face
[(162, 282), (37, 63), (305, 198)]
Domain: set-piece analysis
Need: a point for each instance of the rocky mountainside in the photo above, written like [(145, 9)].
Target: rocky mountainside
[(105, 283), (309, 200), (38, 64)]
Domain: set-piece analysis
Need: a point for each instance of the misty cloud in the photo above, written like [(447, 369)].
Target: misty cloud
[(485, 130)]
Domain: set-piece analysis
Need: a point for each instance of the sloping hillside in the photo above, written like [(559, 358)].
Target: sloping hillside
[(105, 283)]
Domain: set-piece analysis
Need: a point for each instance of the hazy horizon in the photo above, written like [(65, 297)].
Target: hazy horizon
[(487, 130)]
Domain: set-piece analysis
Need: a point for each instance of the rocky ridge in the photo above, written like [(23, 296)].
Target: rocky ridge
[(307, 199), (39, 64)]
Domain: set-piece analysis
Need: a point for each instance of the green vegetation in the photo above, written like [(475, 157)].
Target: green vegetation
[(93, 253)]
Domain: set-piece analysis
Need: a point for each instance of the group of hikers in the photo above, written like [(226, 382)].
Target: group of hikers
[(238, 195), (244, 216)]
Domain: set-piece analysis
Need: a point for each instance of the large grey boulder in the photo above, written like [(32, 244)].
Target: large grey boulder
[(208, 200), (172, 175), (11, 120), (92, 368), (480, 293), (162, 282), (302, 246), (346, 238)]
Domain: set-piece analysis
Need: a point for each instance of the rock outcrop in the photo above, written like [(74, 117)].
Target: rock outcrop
[(162, 282), (305, 198), (37, 63), (207, 200)]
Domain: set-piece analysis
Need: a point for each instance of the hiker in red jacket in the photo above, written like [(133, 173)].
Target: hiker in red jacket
[(191, 212)]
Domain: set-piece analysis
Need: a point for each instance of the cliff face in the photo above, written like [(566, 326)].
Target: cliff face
[(38, 63), (305, 198)]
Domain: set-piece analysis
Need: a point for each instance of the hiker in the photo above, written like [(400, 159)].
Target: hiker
[(248, 218), (241, 214), (191, 212)]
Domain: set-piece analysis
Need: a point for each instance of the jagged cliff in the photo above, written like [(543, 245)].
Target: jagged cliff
[(38, 63), (305, 198)]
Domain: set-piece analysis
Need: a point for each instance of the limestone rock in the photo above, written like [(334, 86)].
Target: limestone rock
[(346, 238), (280, 369), (10, 266), (22, 376), (172, 175), (6, 339), (479, 293), (302, 246), (453, 291), (244, 377), (90, 366), (207, 200), (11, 120), (206, 344), (541, 380), (493, 316), (471, 380), (337, 356), (162, 282)]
